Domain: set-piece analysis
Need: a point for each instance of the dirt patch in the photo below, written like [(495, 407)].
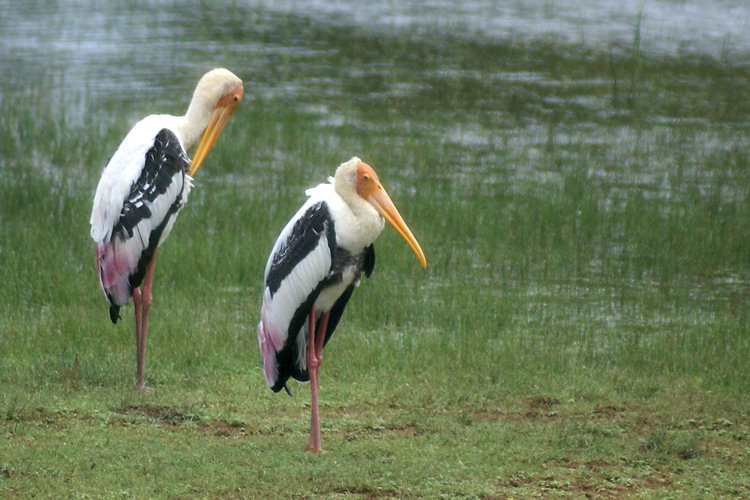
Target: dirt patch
[(608, 410), (563, 485), (487, 414), (161, 413), (368, 431), (52, 418), (530, 414), (547, 408), (9, 473), (224, 428), (405, 430), (366, 492), (535, 415), (542, 402), (172, 417), (47, 416)]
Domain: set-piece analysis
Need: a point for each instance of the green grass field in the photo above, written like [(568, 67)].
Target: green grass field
[(581, 329)]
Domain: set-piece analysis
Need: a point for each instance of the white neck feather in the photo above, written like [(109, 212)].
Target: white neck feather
[(192, 124), (363, 223)]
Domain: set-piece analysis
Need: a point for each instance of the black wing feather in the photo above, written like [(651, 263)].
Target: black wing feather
[(315, 223), (336, 311), (369, 264), (164, 160), (301, 241)]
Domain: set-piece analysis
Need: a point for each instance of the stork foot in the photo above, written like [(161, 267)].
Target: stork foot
[(312, 449)]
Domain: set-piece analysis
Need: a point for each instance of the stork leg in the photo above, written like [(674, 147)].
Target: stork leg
[(142, 302), (138, 305), (314, 359)]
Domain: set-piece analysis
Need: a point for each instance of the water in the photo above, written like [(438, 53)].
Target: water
[(120, 49), (626, 100), (668, 26)]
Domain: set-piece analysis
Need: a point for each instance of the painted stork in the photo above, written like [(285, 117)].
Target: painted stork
[(142, 189), (313, 268)]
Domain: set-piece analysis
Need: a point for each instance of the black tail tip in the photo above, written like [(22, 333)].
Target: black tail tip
[(114, 313), (281, 385)]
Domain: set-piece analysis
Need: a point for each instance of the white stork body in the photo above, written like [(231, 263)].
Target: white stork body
[(119, 257), (326, 227), (142, 190), (313, 268)]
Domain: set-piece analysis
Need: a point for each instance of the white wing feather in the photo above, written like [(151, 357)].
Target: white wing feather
[(121, 172)]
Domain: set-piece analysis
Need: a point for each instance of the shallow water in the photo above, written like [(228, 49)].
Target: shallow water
[(608, 103), (117, 49)]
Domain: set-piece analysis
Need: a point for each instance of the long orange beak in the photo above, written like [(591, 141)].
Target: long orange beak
[(219, 119), (379, 199)]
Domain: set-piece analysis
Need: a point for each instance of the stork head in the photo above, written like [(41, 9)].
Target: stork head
[(216, 96), (357, 178)]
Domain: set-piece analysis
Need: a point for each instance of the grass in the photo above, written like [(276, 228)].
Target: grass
[(581, 329)]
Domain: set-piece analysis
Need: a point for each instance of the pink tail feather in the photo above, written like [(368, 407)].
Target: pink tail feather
[(268, 344), (114, 273)]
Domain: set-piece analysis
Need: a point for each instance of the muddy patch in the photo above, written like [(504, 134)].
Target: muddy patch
[(165, 414), (173, 417), (367, 492)]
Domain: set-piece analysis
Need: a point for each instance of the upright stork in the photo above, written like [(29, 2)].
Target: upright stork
[(142, 189), (312, 271)]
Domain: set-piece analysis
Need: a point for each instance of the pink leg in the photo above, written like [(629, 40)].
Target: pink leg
[(314, 358), (321, 337), (142, 327), (138, 305)]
